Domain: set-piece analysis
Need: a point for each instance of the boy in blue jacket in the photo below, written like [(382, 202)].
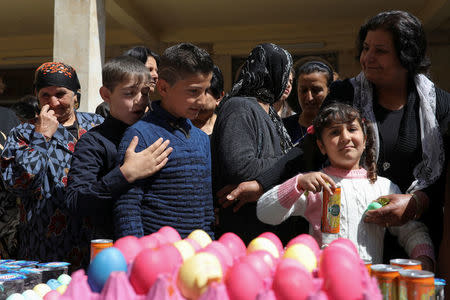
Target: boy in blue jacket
[(95, 177), (179, 195)]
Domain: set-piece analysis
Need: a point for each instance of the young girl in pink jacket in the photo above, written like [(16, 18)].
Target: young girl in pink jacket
[(345, 138)]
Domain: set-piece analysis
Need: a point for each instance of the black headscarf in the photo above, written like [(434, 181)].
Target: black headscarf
[(56, 74), (265, 75)]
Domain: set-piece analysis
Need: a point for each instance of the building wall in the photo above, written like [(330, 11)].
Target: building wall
[(11, 64), (440, 65)]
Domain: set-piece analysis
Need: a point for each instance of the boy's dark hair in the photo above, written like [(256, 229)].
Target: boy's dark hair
[(123, 68), (142, 53), (26, 107), (183, 60), (343, 113), (408, 35), (216, 87)]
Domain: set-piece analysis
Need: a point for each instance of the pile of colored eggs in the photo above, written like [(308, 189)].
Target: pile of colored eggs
[(164, 266), (51, 290)]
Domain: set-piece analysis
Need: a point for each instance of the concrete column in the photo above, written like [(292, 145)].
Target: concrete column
[(79, 40)]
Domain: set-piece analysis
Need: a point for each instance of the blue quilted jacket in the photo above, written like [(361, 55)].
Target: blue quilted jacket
[(180, 195)]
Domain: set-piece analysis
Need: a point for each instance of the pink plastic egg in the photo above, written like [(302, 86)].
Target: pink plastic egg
[(148, 264), (258, 264), (170, 233), (221, 252), (345, 243), (171, 255), (129, 246), (161, 238), (275, 239), (292, 283), (267, 258), (52, 295), (290, 263), (243, 283), (306, 240), (149, 241), (341, 274), (234, 244)]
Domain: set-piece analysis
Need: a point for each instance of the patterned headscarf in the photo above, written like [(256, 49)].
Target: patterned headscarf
[(56, 74), (428, 170), (264, 75)]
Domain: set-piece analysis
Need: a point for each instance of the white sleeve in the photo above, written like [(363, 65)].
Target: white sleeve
[(412, 236), (281, 202)]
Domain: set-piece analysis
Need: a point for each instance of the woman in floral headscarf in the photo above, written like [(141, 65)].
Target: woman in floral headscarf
[(249, 137), (35, 163)]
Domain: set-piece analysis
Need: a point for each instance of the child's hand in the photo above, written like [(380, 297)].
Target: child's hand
[(315, 181), (145, 163)]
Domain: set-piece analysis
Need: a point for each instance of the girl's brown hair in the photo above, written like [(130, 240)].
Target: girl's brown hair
[(343, 113)]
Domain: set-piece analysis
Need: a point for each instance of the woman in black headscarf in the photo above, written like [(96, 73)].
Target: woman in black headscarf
[(249, 137)]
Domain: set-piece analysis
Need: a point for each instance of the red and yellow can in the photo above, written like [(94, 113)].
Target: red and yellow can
[(409, 264), (99, 245), (368, 264), (331, 211), (387, 277), (416, 285)]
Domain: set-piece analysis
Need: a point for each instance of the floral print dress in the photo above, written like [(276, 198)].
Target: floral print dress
[(36, 170)]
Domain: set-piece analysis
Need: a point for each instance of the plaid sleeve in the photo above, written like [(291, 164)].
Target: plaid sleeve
[(24, 160)]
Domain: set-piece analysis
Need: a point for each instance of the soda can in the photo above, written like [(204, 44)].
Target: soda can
[(99, 245), (439, 286), (416, 285), (4, 261), (34, 277), (387, 277), (331, 211), (409, 264), (368, 264), (22, 263), (11, 283), (9, 268)]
